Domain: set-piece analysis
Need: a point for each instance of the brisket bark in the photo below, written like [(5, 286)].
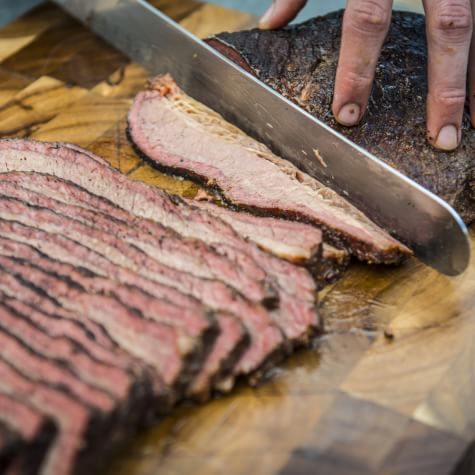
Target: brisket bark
[(295, 242), (300, 62), (179, 134)]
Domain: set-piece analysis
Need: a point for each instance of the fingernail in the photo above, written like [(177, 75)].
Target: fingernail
[(264, 22), (349, 114), (448, 138)]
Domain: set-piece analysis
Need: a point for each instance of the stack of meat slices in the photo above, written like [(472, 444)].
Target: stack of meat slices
[(117, 300)]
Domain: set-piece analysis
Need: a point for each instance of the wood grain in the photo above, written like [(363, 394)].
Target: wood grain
[(37, 104), (357, 401)]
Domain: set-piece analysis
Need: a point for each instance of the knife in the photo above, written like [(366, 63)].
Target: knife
[(423, 221)]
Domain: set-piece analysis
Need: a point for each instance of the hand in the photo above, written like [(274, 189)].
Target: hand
[(365, 26)]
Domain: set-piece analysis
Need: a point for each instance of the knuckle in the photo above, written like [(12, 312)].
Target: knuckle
[(370, 17), (451, 97), (453, 19), (357, 81)]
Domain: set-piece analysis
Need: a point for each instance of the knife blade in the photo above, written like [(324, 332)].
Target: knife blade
[(423, 221)]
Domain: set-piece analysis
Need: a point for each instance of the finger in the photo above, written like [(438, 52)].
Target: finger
[(365, 25), (449, 33), (280, 13), (471, 72)]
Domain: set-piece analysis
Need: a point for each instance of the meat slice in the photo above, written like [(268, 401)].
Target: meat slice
[(179, 134), (290, 240), (300, 62)]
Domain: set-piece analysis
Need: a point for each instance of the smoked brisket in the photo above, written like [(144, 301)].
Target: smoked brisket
[(179, 134), (117, 300), (300, 61)]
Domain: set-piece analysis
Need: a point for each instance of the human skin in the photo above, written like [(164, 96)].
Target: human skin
[(451, 49)]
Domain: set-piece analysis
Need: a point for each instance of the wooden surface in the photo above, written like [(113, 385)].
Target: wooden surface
[(357, 402)]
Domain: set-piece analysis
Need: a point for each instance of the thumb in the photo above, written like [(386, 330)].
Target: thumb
[(280, 13)]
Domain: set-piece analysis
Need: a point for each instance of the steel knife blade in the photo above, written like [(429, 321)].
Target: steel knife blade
[(423, 221)]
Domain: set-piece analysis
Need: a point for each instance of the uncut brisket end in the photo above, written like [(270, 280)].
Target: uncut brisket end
[(179, 134), (300, 62), (296, 242)]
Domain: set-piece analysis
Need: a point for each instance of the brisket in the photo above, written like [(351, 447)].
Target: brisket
[(158, 242), (300, 62), (295, 242), (54, 406), (92, 174), (179, 134), (267, 339), (116, 300), (62, 248), (182, 346)]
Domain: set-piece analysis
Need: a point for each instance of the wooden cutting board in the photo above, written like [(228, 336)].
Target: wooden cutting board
[(358, 402)]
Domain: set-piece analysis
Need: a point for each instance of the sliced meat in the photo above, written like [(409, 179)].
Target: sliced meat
[(73, 418), (290, 240), (91, 173), (46, 380), (265, 337), (80, 179), (158, 242), (184, 346), (179, 134), (300, 62), (96, 177), (157, 345)]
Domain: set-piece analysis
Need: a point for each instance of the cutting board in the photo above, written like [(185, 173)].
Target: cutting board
[(389, 389)]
